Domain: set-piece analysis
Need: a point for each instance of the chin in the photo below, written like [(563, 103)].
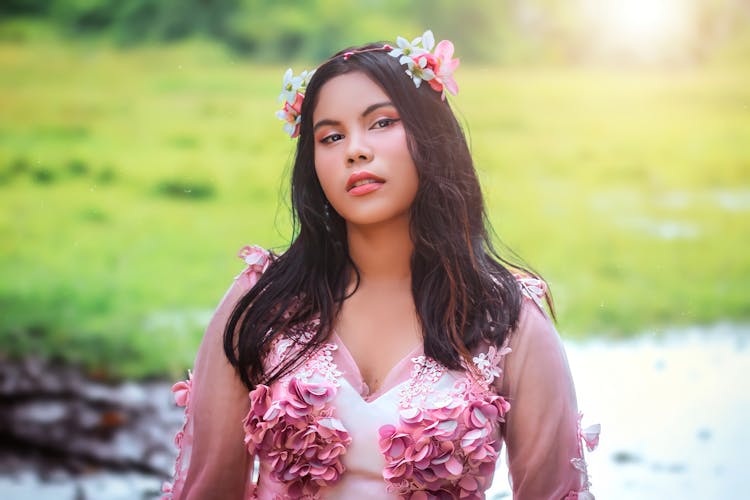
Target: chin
[(371, 218)]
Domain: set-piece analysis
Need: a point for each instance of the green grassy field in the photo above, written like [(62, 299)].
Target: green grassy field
[(128, 181)]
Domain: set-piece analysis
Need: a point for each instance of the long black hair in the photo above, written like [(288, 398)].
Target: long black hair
[(463, 290)]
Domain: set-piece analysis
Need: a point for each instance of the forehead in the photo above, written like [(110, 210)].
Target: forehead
[(350, 93)]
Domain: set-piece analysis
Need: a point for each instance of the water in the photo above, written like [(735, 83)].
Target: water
[(674, 410), (675, 414)]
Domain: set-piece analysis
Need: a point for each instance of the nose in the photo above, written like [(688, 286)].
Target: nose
[(358, 150)]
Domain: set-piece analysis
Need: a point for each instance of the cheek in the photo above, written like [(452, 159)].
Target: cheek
[(403, 168), (410, 174), (400, 149)]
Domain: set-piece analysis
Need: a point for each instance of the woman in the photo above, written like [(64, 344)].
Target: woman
[(389, 351)]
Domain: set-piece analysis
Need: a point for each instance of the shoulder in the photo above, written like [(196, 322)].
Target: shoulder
[(256, 259), (538, 354), (532, 313), (535, 334), (536, 304), (533, 329), (532, 288), (534, 322)]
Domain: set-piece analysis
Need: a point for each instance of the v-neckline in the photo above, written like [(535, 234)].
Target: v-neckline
[(356, 380)]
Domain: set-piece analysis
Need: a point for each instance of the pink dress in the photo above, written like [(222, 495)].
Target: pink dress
[(428, 432)]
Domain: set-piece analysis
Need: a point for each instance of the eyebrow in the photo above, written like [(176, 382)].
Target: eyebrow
[(367, 111)]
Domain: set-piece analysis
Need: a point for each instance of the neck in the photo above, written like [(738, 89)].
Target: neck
[(382, 252)]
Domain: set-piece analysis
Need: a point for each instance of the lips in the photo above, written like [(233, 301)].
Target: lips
[(362, 178)]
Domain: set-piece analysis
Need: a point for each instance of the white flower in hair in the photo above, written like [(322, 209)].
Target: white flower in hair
[(291, 85), (424, 64), (292, 94), (406, 50), (306, 76), (428, 41), (292, 120), (419, 71)]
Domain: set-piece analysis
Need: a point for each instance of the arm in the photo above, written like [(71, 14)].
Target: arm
[(213, 461), (542, 431)]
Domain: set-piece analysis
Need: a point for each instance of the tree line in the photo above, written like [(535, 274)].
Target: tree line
[(281, 30)]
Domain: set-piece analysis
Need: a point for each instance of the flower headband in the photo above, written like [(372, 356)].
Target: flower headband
[(422, 64)]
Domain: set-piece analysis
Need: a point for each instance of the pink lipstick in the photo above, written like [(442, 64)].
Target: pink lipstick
[(363, 182)]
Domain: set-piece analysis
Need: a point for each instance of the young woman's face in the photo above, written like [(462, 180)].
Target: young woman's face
[(361, 156)]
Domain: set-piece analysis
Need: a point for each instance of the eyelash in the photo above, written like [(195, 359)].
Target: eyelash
[(389, 121), (329, 138), (378, 124)]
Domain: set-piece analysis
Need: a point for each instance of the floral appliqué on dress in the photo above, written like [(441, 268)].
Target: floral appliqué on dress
[(182, 440), (535, 289), (590, 438), (297, 433), (444, 445)]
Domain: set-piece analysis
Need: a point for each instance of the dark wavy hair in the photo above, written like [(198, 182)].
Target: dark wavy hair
[(463, 290)]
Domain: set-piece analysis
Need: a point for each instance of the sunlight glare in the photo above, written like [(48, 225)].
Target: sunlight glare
[(643, 19), (646, 29)]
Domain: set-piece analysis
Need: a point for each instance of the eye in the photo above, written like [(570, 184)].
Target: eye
[(331, 138), (385, 122)]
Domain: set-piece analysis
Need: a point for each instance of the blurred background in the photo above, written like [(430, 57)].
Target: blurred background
[(139, 151)]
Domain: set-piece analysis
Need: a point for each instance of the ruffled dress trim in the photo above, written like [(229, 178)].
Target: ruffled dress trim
[(183, 440), (588, 438)]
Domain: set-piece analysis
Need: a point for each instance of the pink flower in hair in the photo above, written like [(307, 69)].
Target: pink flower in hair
[(444, 68), (421, 67), (422, 64), (292, 94), (291, 114)]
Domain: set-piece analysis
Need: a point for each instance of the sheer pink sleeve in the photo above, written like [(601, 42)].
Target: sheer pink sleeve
[(212, 461), (542, 429)]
